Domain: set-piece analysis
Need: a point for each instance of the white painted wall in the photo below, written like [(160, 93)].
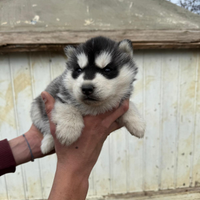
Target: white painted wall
[(166, 92)]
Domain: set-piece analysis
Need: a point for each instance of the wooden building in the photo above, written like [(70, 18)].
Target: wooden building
[(166, 38)]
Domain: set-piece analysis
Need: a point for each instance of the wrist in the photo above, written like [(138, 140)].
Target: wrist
[(34, 140), (20, 148), (75, 169), (68, 184)]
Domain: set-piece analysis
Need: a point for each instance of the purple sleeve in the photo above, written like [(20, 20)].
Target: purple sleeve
[(7, 161)]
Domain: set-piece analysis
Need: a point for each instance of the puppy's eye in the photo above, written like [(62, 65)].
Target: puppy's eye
[(107, 69), (78, 70)]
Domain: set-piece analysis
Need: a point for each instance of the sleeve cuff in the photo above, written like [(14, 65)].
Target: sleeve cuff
[(7, 161)]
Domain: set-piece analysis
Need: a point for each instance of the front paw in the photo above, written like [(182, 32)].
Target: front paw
[(47, 144), (68, 134), (133, 121), (69, 123), (137, 129)]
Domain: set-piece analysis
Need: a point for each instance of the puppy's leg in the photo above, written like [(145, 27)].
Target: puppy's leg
[(41, 121), (47, 144), (69, 123), (133, 121)]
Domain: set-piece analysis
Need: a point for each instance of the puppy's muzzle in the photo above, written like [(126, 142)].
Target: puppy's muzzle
[(87, 89)]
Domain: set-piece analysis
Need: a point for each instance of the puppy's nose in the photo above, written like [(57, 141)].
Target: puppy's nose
[(87, 89)]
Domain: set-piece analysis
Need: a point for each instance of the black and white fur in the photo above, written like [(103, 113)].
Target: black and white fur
[(98, 76)]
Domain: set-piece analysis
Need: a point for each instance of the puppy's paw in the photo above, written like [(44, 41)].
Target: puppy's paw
[(133, 121), (137, 129), (68, 133), (69, 123), (47, 144)]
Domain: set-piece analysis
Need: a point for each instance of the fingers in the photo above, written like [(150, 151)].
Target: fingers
[(117, 113), (48, 101), (49, 104)]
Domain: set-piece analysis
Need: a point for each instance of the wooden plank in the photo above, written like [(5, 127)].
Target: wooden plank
[(118, 161), (91, 190), (41, 76), (169, 119), (40, 71), (136, 45), (186, 196), (196, 152), (177, 194), (23, 97), (10, 129), (152, 67), (76, 37), (57, 64), (3, 188), (142, 39), (101, 173), (15, 182), (135, 159), (188, 63)]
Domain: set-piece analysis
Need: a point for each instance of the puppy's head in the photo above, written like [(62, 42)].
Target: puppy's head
[(100, 71)]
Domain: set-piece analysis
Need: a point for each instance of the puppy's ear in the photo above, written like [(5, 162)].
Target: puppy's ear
[(69, 51), (126, 47)]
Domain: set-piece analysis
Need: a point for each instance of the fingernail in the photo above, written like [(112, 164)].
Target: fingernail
[(43, 98)]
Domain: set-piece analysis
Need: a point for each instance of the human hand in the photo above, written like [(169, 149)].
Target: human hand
[(76, 161), (81, 156)]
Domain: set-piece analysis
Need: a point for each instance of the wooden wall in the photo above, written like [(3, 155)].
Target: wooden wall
[(167, 92)]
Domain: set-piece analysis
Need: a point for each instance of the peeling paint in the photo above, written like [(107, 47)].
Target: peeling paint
[(88, 22), (103, 24), (6, 109), (20, 83), (35, 19), (4, 23), (27, 22), (88, 9), (138, 15), (148, 82)]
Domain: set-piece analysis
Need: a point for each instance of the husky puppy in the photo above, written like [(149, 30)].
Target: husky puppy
[(99, 75)]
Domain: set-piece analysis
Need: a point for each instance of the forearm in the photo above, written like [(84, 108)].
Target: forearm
[(20, 149), (68, 185)]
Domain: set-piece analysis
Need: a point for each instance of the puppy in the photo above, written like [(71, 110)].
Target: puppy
[(99, 75)]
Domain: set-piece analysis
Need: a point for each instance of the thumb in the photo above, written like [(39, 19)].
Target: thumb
[(49, 104), (48, 101)]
